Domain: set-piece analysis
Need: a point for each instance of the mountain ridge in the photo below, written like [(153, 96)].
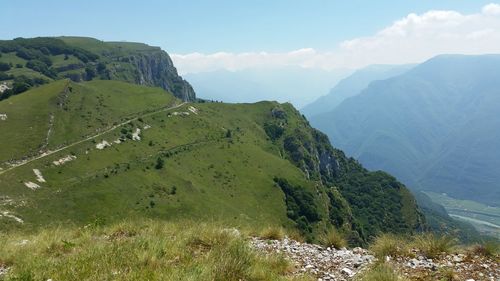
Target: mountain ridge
[(353, 85), (433, 127)]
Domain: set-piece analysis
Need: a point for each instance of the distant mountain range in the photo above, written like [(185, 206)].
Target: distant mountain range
[(297, 85), (436, 126), (353, 85)]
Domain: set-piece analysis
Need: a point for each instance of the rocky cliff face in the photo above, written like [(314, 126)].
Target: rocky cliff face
[(87, 59), (156, 69)]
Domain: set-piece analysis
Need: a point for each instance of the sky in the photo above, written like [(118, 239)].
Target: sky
[(206, 35)]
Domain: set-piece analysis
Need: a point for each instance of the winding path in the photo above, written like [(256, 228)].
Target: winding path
[(48, 153)]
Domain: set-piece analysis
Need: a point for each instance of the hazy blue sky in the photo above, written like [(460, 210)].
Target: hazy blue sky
[(183, 26), (203, 35)]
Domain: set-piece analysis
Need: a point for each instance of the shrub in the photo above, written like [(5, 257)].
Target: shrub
[(487, 249), (5, 76), (159, 163), (432, 246), (4, 66), (388, 245), (273, 130), (335, 239)]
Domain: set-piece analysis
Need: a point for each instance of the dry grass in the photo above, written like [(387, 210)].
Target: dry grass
[(448, 274), (381, 272), (432, 245), (272, 233), (150, 250), (488, 249)]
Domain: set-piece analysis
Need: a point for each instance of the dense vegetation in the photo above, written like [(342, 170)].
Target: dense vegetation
[(300, 204), (378, 201)]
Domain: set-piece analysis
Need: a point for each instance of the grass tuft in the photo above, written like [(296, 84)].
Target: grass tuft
[(272, 233), (486, 249), (335, 239), (388, 245), (432, 245), (381, 272), (448, 274)]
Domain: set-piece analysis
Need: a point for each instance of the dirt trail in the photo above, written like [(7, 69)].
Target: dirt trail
[(48, 153)]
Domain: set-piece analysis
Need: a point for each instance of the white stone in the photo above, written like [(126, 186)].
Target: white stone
[(39, 176), (193, 110), (347, 271), (64, 160), (136, 135), (9, 215), (31, 185), (102, 145)]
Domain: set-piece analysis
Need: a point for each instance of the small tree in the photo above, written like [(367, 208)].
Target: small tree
[(159, 163), (4, 66)]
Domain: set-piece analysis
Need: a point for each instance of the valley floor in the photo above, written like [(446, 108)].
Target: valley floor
[(486, 219)]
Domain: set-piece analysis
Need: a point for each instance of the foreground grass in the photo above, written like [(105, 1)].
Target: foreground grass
[(149, 250), (389, 245), (381, 272), (428, 244)]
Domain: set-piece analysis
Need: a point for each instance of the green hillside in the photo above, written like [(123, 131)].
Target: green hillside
[(117, 150), (26, 63), (62, 112)]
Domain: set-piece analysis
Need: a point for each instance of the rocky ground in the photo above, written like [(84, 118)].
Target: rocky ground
[(3, 270), (339, 265), (454, 266), (324, 263)]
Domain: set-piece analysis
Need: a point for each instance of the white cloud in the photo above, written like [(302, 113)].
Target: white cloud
[(413, 38), (491, 9), (197, 62)]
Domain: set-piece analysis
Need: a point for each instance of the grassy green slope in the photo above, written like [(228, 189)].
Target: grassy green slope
[(206, 174), (207, 161), (70, 111)]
